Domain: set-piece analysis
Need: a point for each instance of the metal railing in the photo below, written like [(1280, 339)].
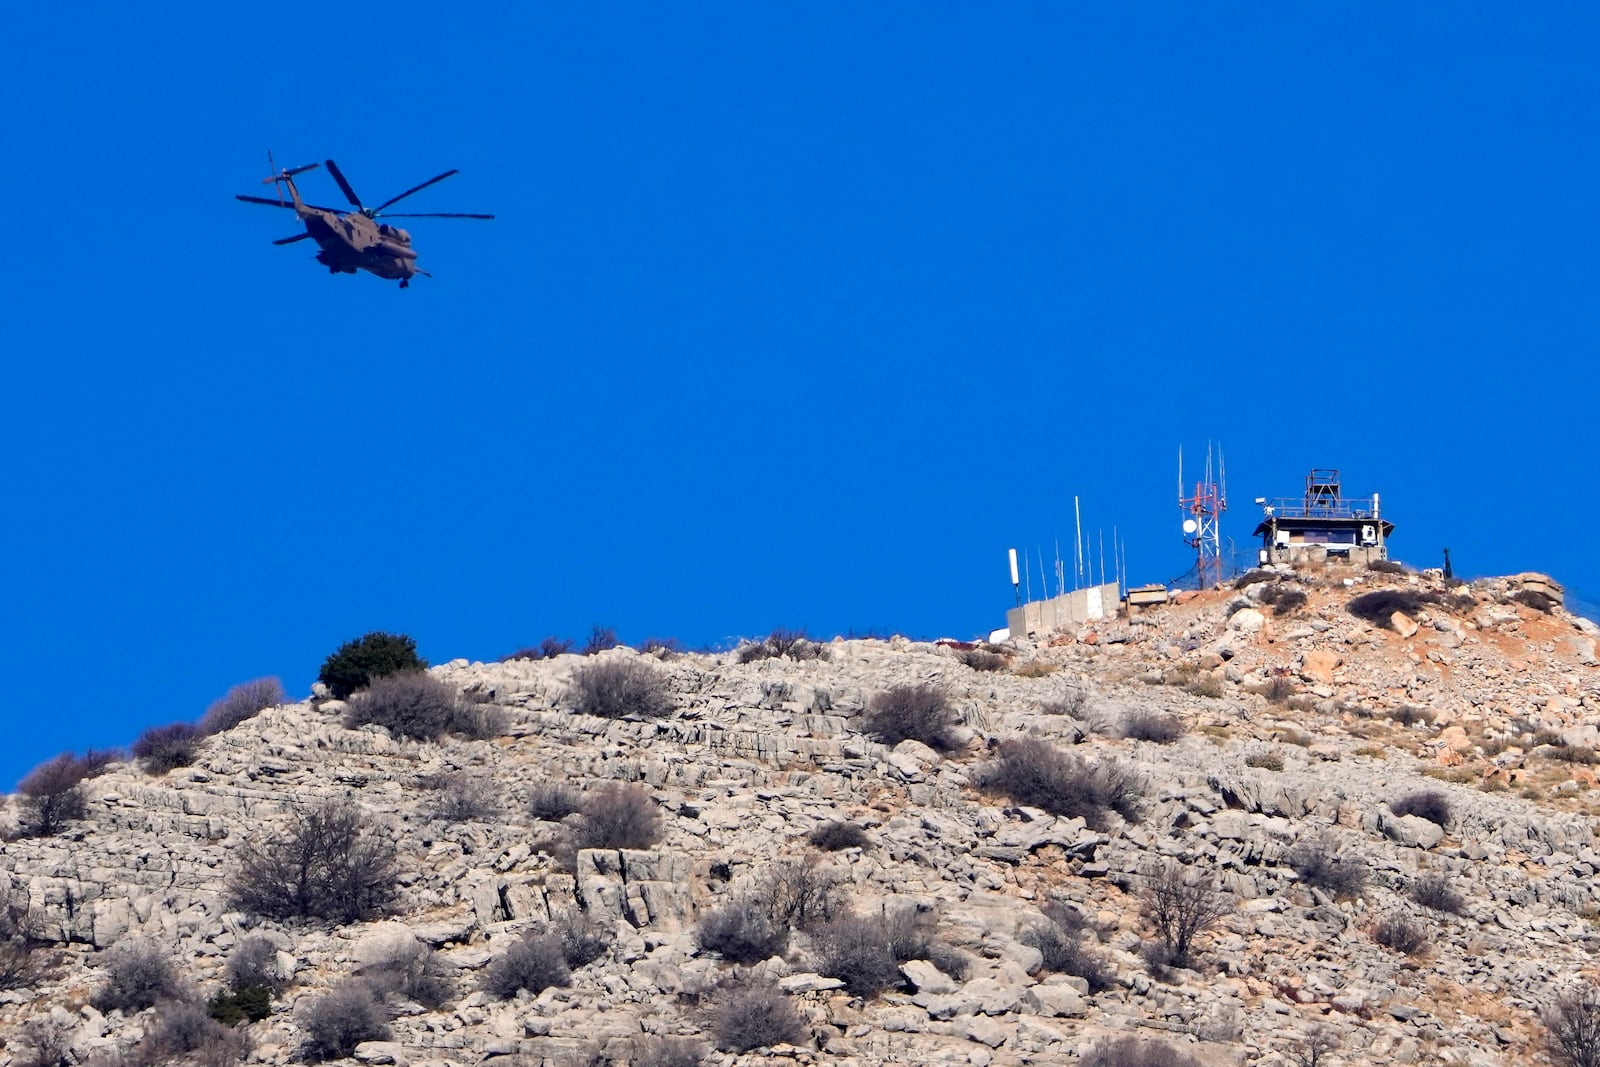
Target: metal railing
[(1343, 508)]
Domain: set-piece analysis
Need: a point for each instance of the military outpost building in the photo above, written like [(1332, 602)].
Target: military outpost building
[(1325, 524)]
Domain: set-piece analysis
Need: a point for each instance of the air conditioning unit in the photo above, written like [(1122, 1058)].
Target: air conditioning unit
[(1282, 539), (1369, 534)]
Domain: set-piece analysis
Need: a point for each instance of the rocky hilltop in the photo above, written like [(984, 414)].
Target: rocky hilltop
[(1429, 743)]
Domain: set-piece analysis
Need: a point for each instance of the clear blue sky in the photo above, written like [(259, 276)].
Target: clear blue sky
[(793, 315)]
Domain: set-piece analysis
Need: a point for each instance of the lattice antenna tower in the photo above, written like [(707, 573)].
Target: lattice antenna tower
[(1202, 516)]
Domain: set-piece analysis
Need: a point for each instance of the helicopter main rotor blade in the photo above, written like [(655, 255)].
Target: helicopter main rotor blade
[(349, 193), (282, 203), (291, 240), (408, 192), (440, 215)]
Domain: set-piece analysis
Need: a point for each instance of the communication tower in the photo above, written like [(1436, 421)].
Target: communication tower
[(1202, 522)]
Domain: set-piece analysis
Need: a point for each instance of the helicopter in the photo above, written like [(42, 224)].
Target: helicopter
[(349, 241)]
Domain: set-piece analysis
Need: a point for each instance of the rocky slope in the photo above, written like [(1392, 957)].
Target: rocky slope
[(1304, 725)]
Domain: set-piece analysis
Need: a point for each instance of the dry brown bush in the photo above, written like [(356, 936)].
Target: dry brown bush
[(331, 863), (912, 712)]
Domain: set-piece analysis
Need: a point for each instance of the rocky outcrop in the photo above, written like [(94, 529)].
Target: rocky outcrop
[(755, 756)]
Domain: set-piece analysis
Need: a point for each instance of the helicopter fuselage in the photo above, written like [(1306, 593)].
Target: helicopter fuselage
[(351, 242)]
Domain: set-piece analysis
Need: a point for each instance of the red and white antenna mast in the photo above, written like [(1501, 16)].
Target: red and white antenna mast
[(1202, 522)]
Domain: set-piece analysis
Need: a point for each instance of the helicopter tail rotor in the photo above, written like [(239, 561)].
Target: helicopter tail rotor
[(280, 176)]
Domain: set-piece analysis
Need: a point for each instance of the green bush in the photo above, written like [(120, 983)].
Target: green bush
[(372, 655), (234, 1006)]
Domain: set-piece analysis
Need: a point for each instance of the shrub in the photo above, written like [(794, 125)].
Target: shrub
[(1134, 1052), (330, 864), (1271, 761), (1321, 863), (549, 648), (533, 963), (253, 964), (601, 639), (18, 966), (781, 643), (407, 968), (95, 760), (1401, 934), (915, 712), (44, 1041), (1572, 1028), (1285, 599), (800, 893), (138, 974), (162, 748), (1534, 599), (982, 660), (1249, 578), (1031, 771), (52, 796), (243, 701), (856, 951), (461, 797), (1071, 705), (1149, 725), (183, 1029), (553, 801), (1313, 1048), (1376, 607), (1059, 935), (356, 664), (339, 1020), (614, 688), (651, 1051), (1279, 689), (232, 1007), (1430, 804), (583, 940), (407, 704), (662, 647), (1434, 891), (1183, 909), (1385, 566), (836, 836), (751, 1014), (478, 720), (742, 931), (618, 816), (1205, 685)]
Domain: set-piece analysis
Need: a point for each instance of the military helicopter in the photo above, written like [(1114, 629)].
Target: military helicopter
[(353, 240)]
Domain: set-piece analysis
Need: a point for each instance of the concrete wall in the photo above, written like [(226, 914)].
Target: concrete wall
[(1065, 611)]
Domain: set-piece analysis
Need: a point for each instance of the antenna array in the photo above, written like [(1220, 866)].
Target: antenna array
[(1202, 524)]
